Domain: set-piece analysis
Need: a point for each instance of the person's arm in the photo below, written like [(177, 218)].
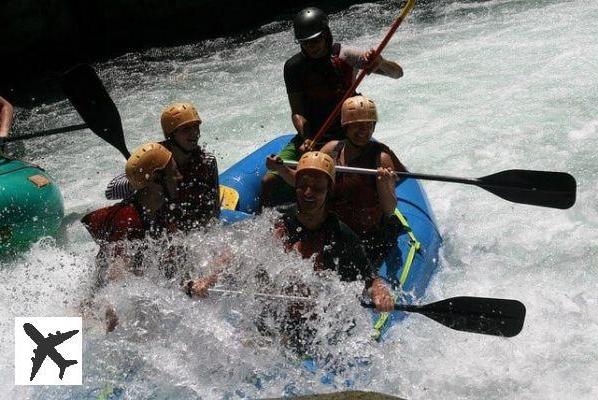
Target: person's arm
[(385, 184), (200, 286), (118, 262), (275, 163), (329, 147), (359, 59), (381, 296), (360, 266), (297, 114), (6, 117), (383, 66), (374, 285), (119, 188), (294, 86), (119, 256)]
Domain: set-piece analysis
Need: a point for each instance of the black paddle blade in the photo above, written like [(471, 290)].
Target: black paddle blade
[(88, 95), (538, 188), (498, 317)]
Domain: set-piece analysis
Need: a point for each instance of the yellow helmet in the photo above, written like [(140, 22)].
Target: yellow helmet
[(144, 162), (317, 161), (358, 109), (177, 115)]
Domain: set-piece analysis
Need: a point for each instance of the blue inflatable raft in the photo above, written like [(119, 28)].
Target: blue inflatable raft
[(408, 268)]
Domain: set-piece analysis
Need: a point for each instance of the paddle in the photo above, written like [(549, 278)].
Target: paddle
[(410, 4), (48, 132), (538, 188), (498, 317), (88, 95), (264, 295)]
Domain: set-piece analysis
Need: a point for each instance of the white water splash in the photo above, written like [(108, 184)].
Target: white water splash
[(488, 86)]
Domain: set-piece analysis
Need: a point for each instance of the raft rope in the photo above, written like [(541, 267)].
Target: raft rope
[(414, 247)]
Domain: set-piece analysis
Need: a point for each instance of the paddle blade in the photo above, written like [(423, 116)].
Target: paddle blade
[(538, 188), (88, 95), (498, 317)]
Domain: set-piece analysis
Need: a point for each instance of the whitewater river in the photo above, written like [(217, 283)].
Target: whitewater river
[(488, 86)]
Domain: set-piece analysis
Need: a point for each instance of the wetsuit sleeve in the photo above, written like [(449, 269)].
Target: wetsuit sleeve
[(361, 263), (353, 261), (292, 75), (123, 227), (114, 223), (119, 188), (280, 230)]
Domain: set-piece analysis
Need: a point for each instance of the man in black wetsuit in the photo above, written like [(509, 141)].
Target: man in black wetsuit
[(317, 234), (316, 79)]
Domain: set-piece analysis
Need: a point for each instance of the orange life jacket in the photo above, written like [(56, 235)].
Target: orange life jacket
[(124, 221), (121, 221)]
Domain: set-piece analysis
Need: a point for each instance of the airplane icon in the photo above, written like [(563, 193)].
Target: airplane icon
[(46, 347)]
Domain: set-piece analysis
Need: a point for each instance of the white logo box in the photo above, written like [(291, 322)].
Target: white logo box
[(70, 349)]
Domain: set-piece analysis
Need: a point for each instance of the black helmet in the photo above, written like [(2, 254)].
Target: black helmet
[(309, 23)]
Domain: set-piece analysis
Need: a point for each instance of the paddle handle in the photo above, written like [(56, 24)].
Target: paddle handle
[(398, 307), (366, 171), (264, 295), (46, 133)]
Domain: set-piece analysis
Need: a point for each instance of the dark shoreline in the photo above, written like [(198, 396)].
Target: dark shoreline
[(43, 38)]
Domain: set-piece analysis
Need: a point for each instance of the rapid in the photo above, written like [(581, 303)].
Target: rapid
[(488, 86)]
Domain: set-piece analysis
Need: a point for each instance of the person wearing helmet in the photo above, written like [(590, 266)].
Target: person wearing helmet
[(313, 231), (153, 173), (6, 117), (310, 228), (366, 203), (316, 79), (198, 191)]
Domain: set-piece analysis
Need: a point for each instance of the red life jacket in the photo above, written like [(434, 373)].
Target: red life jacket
[(355, 199), (109, 226), (121, 221)]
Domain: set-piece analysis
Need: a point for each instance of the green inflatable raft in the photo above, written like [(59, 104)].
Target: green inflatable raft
[(31, 205)]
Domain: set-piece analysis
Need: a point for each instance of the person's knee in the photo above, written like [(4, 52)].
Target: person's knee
[(270, 182), (275, 191)]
